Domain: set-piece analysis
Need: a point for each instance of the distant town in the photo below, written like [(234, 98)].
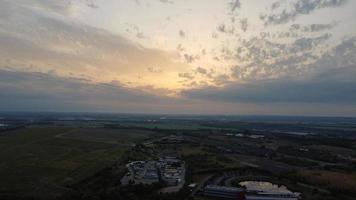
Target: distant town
[(170, 170)]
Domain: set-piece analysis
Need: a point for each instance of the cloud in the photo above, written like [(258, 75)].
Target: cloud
[(221, 79), (91, 4), (312, 28), (303, 44), (244, 24), (340, 56), (318, 27), (328, 79), (276, 5), (147, 2), (135, 30), (45, 37), (307, 6), (201, 70), (190, 58), (235, 4), (186, 76), (182, 34), (154, 70), (140, 35), (261, 58), (63, 7), (322, 88), (225, 29), (31, 91), (43, 42), (300, 7), (167, 1)]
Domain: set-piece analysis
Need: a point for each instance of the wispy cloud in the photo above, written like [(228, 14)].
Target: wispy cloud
[(220, 54), (331, 81), (31, 39), (235, 4), (300, 7)]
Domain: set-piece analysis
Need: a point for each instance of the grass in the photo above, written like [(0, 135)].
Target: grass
[(200, 160), (300, 162), (337, 181), (166, 126), (44, 160)]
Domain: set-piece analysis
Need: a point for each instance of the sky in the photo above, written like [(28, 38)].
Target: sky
[(228, 57)]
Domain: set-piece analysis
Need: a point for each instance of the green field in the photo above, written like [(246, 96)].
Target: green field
[(44, 160), (166, 126)]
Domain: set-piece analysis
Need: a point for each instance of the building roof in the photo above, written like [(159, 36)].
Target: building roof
[(224, 188)]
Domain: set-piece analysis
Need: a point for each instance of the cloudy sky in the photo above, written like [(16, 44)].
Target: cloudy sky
[(263, 57)]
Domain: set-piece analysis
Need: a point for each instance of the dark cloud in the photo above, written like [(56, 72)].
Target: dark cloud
[(280, 18), (222, 28), (275, 5), (225, 29), (190, 58), (186, 76), (295, 27), (318, 27), (307, 6), (330, 79), (155, 70), (33, 91), (201, 70), (210, 74), (182, 34), (311, 28), (42, 91), (244, 24), (303, 44), (167, 1), (235, 4), (221, 79), (340, 56), (300, 7), (91, 4), (322, 88), (135, 30), (261, 58), (203, 52), (60, 7)]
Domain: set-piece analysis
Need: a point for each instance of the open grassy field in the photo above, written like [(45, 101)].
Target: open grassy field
[(337, 181), (166, 125), (43, 160)]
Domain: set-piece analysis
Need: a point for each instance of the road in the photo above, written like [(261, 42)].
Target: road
[(200, 185)]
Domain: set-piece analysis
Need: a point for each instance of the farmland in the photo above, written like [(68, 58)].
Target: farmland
[(45, 160), (58, 157)]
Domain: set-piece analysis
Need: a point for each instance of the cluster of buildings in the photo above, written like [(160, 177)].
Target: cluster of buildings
[(262, 195), (245, 135), (171, 139), (172, 171), (144, 172), (234, 193), (169, 170)]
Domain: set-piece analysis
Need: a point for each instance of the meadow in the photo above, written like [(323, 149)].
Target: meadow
[(45, 160)]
